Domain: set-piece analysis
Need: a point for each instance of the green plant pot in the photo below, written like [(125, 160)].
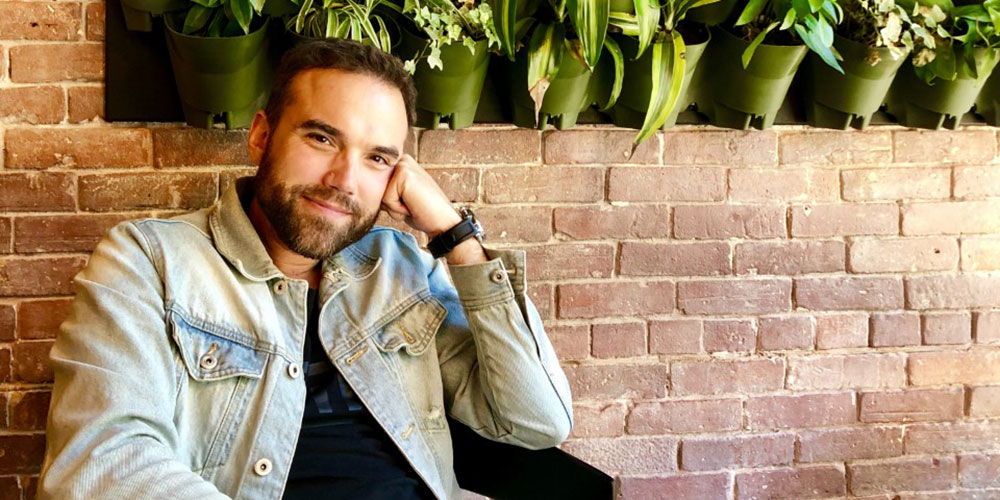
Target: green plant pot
[(840, 101), (713, 13), (734, 97), (941, 105), (278, 8), (988, 102), (569, 93), (630, 110), (139, 13), (226, 79)]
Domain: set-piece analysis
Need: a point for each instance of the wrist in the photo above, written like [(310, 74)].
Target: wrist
[(445, 224)]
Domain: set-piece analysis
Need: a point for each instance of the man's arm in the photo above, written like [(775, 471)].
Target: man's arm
[(110, 428)]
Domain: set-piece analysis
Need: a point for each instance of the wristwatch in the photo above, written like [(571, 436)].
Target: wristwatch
[(448, 240)]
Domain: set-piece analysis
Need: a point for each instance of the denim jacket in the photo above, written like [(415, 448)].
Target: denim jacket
[(177, 373)]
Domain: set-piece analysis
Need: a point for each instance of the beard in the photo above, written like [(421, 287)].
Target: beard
[(302, 230)]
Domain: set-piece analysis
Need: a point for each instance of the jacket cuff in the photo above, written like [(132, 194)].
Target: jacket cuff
[(497, 280)]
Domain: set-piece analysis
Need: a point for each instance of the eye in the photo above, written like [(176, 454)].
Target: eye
[(318, 138), (380, 158)]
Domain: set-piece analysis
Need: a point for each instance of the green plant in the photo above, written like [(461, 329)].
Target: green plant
[(341, 19), (218, 18), (969, 26), (882, 23), (444, 22), (812, 20)]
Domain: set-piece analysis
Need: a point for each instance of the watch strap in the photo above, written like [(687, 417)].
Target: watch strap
[(448, 240)]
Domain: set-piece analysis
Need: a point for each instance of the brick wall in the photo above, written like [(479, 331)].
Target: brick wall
[(788, 313)]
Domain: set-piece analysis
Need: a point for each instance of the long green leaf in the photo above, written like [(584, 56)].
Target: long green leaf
[(242, 12), (300, 19), (195, 19), (619, 62), (628, 23), (590, 18), (545, 52), (748, 52), (504, 20), (662, 97), (751, 11), (647, 13), (257, 5)]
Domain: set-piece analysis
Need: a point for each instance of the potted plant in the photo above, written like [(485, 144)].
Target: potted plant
[(218, 50), (712, 13), (139, 14), (937, 94), (362, 21), (749, 78), (988, 102)]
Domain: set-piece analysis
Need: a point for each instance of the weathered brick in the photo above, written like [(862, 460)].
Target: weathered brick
[(853, 443), (953, 291), (783, 185), (571, 342), (801, 410), (838, 220), (677, 487), (977, 182), (520, 225), (31, 362), (6, 235), (675, 259), (460, 184), (835, 148), (598, 420), (34, 105), (896, 184), (185, 191), (734, 296), (841, 293), (947, 328), (981, 254), (633, 221), (593, 300), (62, 233), (785, 333), (986, 327), (685, 416), (737, 452), (912, 474), (23, 453), (9, 486), (28, 410), (618, 340), (953, 437), (847, 371), (634, 455), (29, 277), (954, 367), (190, 147), (902, 255), (821, 481), (5, 356), (95, 21), (666, 184), (541, 296), (675, 336), (895, 329), (789, 257), (569, 260), (913, 405), (979, 471), (8, 321), (537, 184), (726, 376), (716, 147), (55, 62), (985, 401), (600, 146), (939, 146), (730, 335), (86, 102), (39, 20), (40, 319), (78, 147), (507, 146), (729, 221), (959, 217), (605, 382), (37, 191), (834, 331)]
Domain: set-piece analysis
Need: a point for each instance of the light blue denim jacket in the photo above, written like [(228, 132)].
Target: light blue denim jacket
[(177, 374)]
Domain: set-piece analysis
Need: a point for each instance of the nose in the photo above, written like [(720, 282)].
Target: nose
[(343, 171)]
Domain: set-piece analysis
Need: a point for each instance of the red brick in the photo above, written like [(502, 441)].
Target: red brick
[(54, 62), (676, 487), (40, 319), (730, 335), (727, 376), (598, 420), (569, 260), (6, 235), (34, 105), (979, 471), (28, 410), (10, 489), (95, 21), (185, 191), (903, 255), (30, 486), (86, 102), (853, 443), (675, 336), (737, 452), (715, 147), (675, 259), (954, 437), (789, 257), (22, 277), (987, 327), (838, 330), (619, 340), (913, 405), (571, 342), (835, 148), (895, 329), (539, 184), (37, 191), (947, 328), (801, 410), (190, 147), (8, 321), (633, 455), (954, 367), (953, 291), (985, 401), (62, 233), (601, 146), (959, 217), (844, 293), (977, 182), (39, 20), (912, 474), (685, 416), (783, 185), (897, 184), (516, 225), (605, 382), (460, 184), (31, 362), (939, 146), (541, 296), (729, 221), (592, 300), (835, 220), (5, 356), (505, 146), (980, 254), (634, 221), (78, 147), (23, 453), (847, 371), (821, 481), (786, 333), (734, 296), (666, 184)]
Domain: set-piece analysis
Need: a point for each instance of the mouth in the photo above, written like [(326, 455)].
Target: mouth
[(327, 208)]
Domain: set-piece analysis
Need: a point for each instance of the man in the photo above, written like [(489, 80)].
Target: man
[(277, 343)]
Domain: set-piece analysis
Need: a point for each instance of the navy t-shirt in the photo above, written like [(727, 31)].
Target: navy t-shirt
[(342, 452)]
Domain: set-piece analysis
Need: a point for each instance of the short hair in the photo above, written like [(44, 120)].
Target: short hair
[(345, 55)]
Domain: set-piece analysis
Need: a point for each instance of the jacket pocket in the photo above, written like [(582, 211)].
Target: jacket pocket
[(414, 329)]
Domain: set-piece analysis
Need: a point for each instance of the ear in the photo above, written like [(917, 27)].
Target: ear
[(259, 132)]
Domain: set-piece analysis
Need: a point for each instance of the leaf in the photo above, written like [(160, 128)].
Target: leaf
[(748, 53), (813, 41), (300, 19), (504, 20), (750, 12), (545, 52), (215, 26), (789, 19), (662, 97), (647, 13), (590, 18), (242, 13), (257, 5), (816, 5), (195, 19), (628, 23), (619, 63)]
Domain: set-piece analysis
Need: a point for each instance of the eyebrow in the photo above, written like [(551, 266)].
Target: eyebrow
[(337, 134)]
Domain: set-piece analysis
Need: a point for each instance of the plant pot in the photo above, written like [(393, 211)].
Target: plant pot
[(988, 102), (713, 13), (916, 104), (279, 8), (633, 102), (736, 97), (139, 13), (839, 101), (226, 79), (569, 93)]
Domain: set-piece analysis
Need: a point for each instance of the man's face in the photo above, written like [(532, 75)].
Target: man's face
[(327, 163)]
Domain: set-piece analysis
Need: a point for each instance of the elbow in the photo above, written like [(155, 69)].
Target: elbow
[(549, 435)]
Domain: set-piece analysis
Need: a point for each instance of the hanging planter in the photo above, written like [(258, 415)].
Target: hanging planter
[(988, 102), (453, 91), (714, 13), (139, 14)]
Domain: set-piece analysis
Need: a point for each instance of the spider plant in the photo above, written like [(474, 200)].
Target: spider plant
[(346, 19)]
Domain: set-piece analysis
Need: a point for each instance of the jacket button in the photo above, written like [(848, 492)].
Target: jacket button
[(294, 370), (262, 467), (280, 286), (208, 361), (497, 276)]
